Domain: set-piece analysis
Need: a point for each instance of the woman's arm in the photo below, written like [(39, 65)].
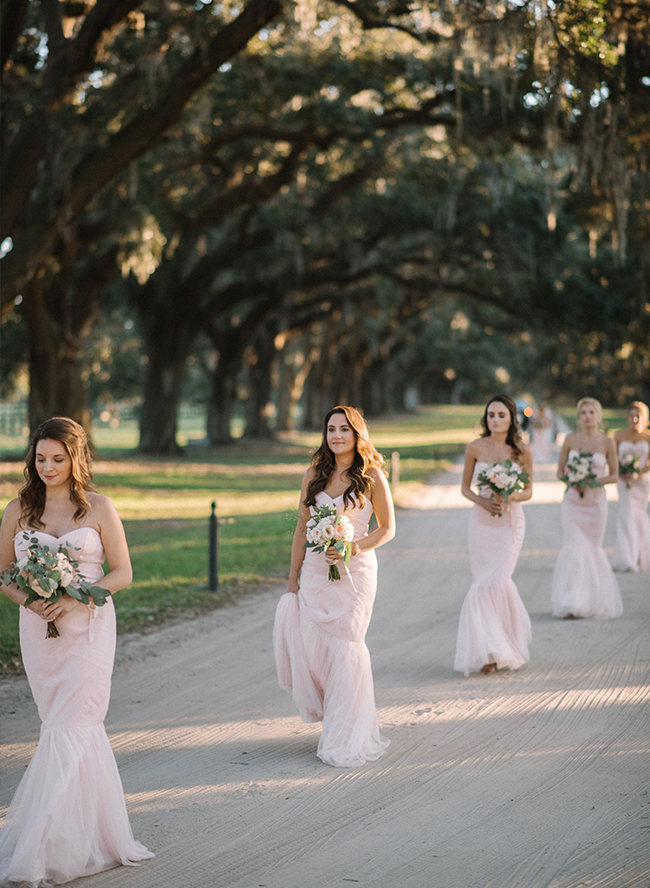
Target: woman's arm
[(382, 502), (612, 462), (8, 530), (521, 496), (493, 505), (646, 467), (563, 457), (299, 536)]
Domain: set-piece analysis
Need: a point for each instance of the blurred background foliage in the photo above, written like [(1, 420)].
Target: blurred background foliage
[(270, 208)]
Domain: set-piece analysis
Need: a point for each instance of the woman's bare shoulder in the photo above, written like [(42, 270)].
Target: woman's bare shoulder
[(12, 511), (474, 447), (101, 506)]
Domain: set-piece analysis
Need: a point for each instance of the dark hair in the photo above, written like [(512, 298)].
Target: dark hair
[(33, 492), (513, 438), (366, 458)]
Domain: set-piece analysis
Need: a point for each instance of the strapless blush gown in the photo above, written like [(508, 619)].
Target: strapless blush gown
[(68, 815), (632, 547), (320, 651), (584, 584), (494, 625)]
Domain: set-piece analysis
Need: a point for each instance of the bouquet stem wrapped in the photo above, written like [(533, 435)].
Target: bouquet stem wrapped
[(327, 528), (48, 575)]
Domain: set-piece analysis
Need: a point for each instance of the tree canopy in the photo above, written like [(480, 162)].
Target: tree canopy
[(351, 191)]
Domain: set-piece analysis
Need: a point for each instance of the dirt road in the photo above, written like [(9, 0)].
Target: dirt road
[(530, 779)]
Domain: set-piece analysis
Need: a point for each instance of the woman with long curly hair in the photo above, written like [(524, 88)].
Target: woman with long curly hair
[(494, 627), (320, 625), (68, 816)]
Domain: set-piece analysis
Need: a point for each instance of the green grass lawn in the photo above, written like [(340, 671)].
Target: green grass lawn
[(165, 506)]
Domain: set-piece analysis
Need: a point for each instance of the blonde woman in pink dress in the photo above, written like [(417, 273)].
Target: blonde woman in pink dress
[(320, 625), (583, 582), (632, 547), (494, 628), (68, 816)]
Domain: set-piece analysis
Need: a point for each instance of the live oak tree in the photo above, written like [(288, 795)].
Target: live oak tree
[(152, 144)]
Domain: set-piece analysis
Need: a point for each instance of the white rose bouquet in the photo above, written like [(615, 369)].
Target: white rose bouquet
[(326, 528), (628, 464), (44, 574), (503, 479), (579, 472)]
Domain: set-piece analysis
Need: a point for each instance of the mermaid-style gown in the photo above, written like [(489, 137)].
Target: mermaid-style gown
[(583, 582), (68, 816), (632, 547), (494, 625), (320, 651)]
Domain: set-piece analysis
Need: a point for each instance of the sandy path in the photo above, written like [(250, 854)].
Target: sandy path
[(530, 779)]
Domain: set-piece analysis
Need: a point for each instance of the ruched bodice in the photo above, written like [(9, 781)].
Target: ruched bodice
[(638, 448), (359, 517), (84, 545)]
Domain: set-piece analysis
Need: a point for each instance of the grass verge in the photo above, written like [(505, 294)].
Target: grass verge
[(165, 506)]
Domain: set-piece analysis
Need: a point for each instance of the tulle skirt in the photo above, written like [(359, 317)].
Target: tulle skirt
[(583, 582), (68, 816), (632, 547), (322, 659), (494, 625)]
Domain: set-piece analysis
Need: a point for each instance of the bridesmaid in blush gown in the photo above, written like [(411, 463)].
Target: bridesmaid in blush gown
[(632, 547), (320, 625), (583, 582), (494, 627), (68, 816)]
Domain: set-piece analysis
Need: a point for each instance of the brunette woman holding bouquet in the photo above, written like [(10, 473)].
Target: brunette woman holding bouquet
[(320, 623), (494, 627), (583, 582), (68, 817), (632, 547)]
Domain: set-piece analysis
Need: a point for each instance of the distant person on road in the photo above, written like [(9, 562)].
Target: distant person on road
[(494, 629), (632, 548), (583, 582), (321, 624), (542, 424)]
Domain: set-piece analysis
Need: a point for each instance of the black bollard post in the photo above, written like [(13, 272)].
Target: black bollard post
[(213, 559)]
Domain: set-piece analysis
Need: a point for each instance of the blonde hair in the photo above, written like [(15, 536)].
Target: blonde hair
[(594, 403), (643, 410)]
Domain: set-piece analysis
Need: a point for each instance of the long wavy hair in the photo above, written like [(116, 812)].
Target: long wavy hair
[(33, 492), (366, 458), (593, 402), (513, 438)]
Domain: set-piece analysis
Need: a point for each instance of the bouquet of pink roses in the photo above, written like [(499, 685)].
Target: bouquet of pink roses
[(503, 479), (628, 464), (579, 472), (328, 528), (44, 574)]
